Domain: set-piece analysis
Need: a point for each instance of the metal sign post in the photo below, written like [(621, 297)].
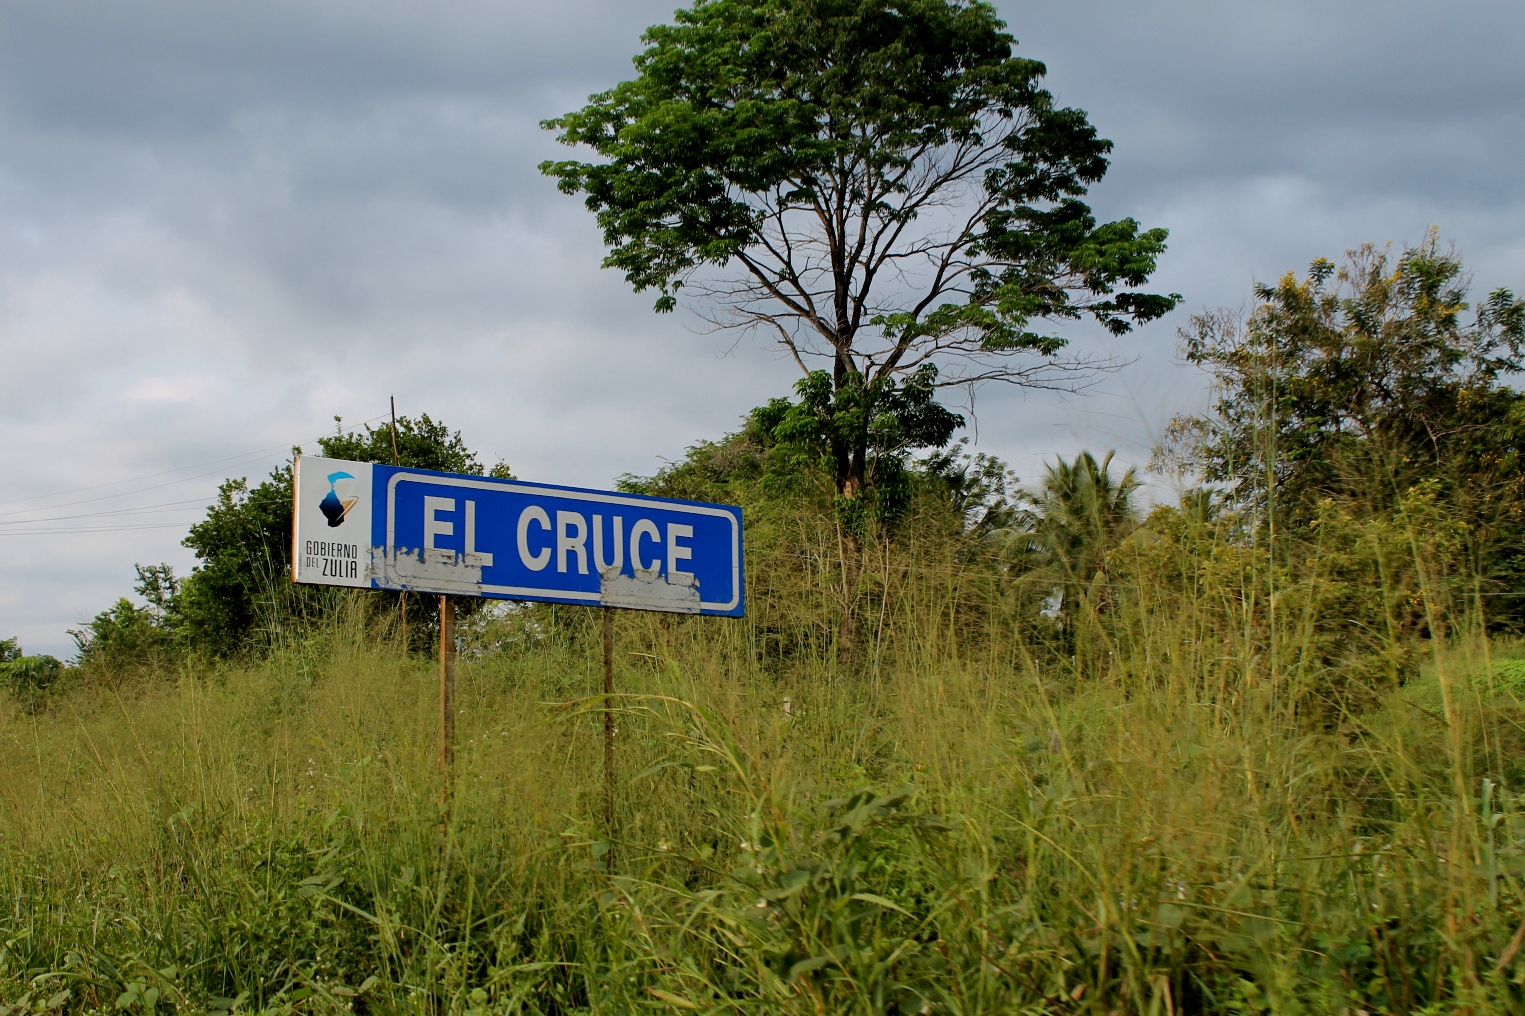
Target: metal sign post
[(446, 699), (402, 598), (373, 526), (608, 719)]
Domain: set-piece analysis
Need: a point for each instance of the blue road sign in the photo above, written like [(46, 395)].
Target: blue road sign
[(373, 526)]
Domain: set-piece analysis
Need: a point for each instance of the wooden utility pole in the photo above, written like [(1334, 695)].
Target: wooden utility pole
[(446, 701), (396, 459), (609, 721)]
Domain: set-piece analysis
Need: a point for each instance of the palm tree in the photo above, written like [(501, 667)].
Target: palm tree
[(1076, 516)]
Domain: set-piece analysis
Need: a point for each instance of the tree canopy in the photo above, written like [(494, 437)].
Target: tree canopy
[(1362, 383), (881, 185), (418, 444)]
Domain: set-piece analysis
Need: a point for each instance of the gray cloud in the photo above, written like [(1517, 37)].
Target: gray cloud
[(220, 225)]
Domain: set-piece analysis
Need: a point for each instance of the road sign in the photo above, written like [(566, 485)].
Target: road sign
[(373, 526)]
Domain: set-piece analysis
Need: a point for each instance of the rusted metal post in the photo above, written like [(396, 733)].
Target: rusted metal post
[(609, 721), (402, 598), (446, 699)]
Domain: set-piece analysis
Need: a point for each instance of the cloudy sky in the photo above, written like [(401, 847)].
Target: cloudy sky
[(223, 224)]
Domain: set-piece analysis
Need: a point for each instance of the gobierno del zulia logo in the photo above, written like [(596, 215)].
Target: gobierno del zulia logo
[(343, 494)]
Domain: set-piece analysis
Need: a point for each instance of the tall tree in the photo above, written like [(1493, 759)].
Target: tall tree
[(1360, 381), (879, 184)]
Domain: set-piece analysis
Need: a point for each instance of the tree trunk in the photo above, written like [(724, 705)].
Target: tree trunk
[(850, 461), (851, 484), (850, 554)]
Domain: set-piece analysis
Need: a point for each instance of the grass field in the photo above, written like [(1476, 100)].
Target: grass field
[(1217, 789)]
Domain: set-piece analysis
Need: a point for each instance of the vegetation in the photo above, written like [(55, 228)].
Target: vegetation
[(883, 188), (1033, 751), (1077, 517), (27, 678), (1192, 792), (1365, 385), (974, 749), (240, 597)]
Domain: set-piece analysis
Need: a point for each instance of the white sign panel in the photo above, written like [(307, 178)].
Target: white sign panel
[(333, 522)]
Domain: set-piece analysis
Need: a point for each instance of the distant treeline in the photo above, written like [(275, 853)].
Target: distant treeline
[(1347, 397)]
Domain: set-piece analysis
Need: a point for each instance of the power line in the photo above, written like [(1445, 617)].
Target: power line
[(232, 462), (98, 529), (196, 503), (167, 506)]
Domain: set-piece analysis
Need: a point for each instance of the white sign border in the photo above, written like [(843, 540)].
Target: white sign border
[(575, 495)]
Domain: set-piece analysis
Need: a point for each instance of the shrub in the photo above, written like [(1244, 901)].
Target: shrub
[(29, 678)]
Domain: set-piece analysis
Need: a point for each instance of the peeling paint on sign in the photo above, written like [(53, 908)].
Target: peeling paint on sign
[(648, 590), (440, 570)]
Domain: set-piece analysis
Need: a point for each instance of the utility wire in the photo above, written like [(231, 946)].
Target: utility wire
[(147, 476), (97, 529), (195, 503), (232, 463), (167, 506)]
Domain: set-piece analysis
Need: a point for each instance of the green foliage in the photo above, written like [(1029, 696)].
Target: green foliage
[(130, 640), (157, 585), (1250, 771), (28, 679), (796, 157), (240, 594), (782, 455), (823, 430), (420, 444), (978, 491), (1363, 384), (1213, 794), (1078, 514), (740, 467), (124, 639), (241, 583), (1362, 388)]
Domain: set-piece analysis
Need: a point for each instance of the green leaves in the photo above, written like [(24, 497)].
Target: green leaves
[(127, 637), (742, 101), (423, 443), (240, 587), (881, 184), (138, 996), (896, 417), (1079, 513), (881, 418), (28, 678), (1362, 383)]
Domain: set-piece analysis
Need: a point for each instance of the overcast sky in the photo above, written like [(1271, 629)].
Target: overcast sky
[(223, 224)]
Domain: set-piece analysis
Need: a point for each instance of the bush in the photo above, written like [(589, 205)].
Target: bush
[(29, 678), (124, 641)]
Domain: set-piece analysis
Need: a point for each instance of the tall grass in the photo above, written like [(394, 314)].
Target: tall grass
[(1230, 781)]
